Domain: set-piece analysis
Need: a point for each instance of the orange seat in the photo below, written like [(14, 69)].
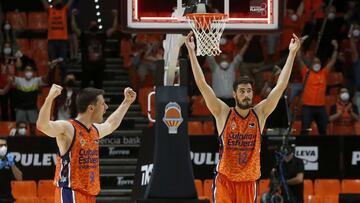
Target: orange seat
[(209, 128), (208, 189), (39, 45), (335, 78), (330, 199), (195, 128), (46, 188), (27, 200), (308, 187), (23, 189), (24, 44), (327, 187), (263, 186), (199, 187), (350, 186), (329, 101), (47, 200), (296, 128), (5, 127), (37, 21), (199, 108), (313, 199), (18, 20)]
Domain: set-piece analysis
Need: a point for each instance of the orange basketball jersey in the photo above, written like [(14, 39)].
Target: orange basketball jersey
[(78, 168), (240, 147)]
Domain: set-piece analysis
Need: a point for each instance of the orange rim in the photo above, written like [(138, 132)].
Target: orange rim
[(202, 20)]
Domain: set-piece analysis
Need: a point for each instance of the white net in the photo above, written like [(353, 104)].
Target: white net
[(208, 29)]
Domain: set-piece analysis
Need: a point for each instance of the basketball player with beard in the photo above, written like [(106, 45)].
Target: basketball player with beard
[(240, 129)]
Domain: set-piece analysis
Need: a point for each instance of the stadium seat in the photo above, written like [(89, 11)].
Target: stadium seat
[(198, 108), (327, 187), (330, 199), (209, 128), (24, 44), (313, 199), (335, 78), (23, 189), (46, 188), (39, 45), (27, 200), (18, 20), (208, 189), (350, 186), (329, 101), (195, 128), (308, 188), (37, 21), (199, 187), (5, 127), (296, 128)]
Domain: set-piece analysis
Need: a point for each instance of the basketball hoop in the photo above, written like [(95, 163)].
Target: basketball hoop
[(208, 28)]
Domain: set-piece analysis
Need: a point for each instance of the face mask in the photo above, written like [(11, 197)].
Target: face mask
[(345, 96), (223, 41), (331, 16), (3, 151), (294, 17), (316, 67), (356, 33), (224, 64), (7, 51), (7, 27), (28, 75), (22, 131), (70, 83)]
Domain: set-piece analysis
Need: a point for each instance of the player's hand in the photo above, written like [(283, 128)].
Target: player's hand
[(74, 12), (130, 95), (114, 12), (295, 44), (55, 91), (189, 42)]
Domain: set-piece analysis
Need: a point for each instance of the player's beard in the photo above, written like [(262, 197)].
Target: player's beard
[(244, 105)]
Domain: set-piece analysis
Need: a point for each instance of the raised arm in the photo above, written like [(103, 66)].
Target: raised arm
[(113, 29), (334, 55), (267, 106), (215, 105), (44, 124), (114, 120), (74, 24), (46, 4)]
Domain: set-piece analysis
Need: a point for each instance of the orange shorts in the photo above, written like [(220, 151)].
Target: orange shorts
[(226, 191), (66, 195)]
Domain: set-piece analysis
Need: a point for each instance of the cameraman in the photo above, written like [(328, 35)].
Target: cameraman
[(8, 172), (293, 168)]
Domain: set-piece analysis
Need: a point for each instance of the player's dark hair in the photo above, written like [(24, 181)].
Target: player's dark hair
[(87, 97), (243, 80)]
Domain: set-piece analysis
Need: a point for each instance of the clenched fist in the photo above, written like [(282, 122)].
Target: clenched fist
[(129, 94), (54, 91)]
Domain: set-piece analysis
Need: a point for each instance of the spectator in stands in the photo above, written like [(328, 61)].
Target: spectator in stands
[(20, 130), (65, 103), (150, 50), (93, 43), (26, 94), (224, 72), (315, 92), (294, 176), (253, 59), (344, 114), (8, 35), (8, 172), (58, 32), (7, 68), (355, 59)]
